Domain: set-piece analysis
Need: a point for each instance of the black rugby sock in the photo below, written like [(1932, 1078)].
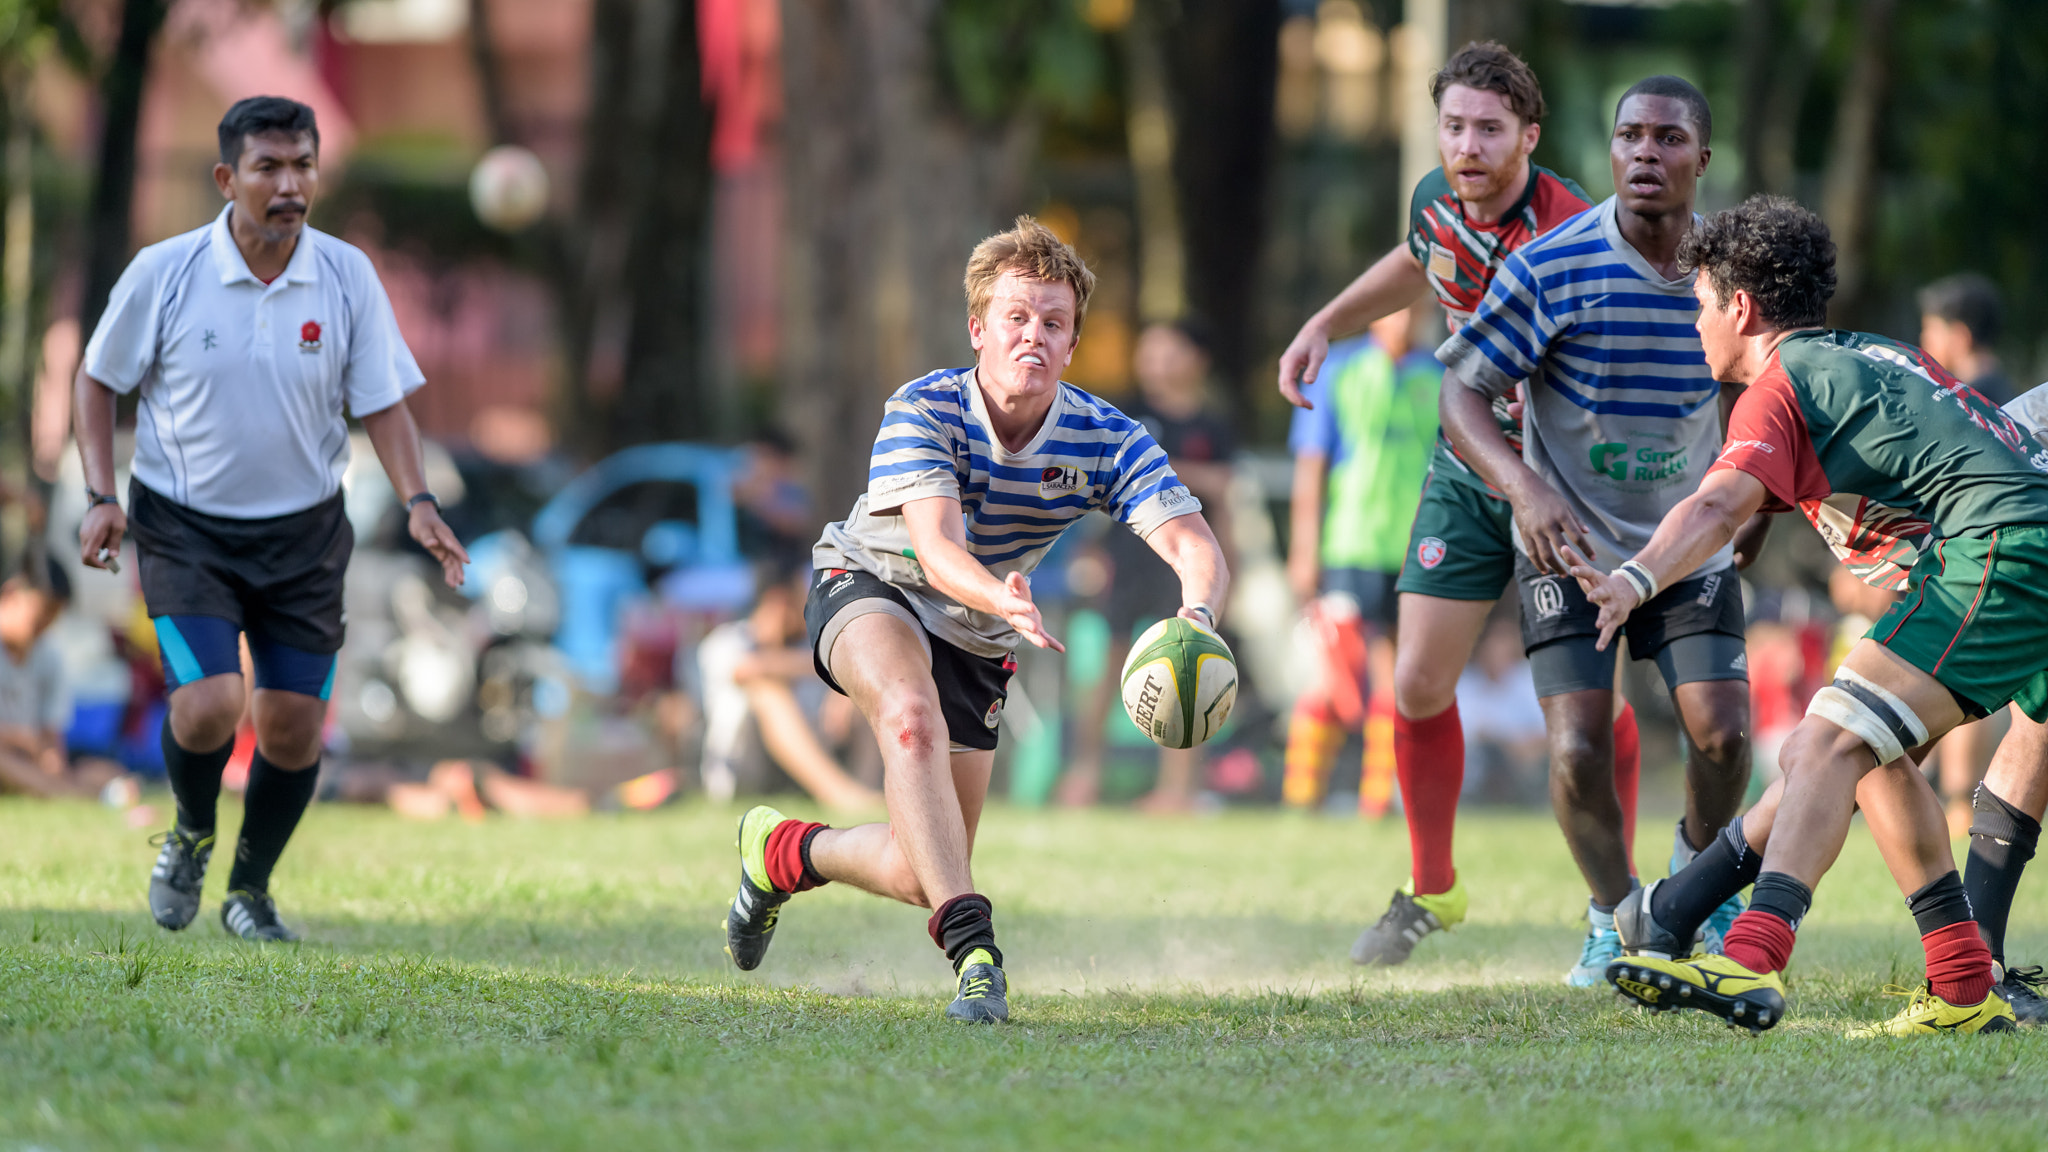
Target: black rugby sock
[(270, 811), (2002, 840), (195, 780), (962, 924), (1720, 870)]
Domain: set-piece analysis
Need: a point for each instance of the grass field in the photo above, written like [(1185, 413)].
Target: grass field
[(1176, 984)]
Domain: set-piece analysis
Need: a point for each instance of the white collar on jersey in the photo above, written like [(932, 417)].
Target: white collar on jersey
[(980, 407), (302, 268)]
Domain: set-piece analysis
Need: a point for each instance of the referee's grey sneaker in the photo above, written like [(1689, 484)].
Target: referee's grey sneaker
[(253, 916), (179, 874)]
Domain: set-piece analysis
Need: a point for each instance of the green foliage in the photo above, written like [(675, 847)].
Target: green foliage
[(1179, 984), (1002, 56)]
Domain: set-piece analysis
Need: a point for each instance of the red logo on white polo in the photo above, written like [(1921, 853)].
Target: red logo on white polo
[(309, 336), (1431, 551)]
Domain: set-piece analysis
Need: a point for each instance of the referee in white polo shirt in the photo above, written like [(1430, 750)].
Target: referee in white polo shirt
[(246, 341)]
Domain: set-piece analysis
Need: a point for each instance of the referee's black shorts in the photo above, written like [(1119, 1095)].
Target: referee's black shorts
[(277, 578)]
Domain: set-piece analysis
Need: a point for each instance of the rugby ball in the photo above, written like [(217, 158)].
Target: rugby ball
[(1180, 683)]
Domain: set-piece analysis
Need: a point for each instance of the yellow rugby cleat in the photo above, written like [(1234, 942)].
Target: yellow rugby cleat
[(1927, 1013), (1746, 999), (1407, 920)]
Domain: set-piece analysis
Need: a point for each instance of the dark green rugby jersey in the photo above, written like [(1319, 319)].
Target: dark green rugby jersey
[(1882, 448)]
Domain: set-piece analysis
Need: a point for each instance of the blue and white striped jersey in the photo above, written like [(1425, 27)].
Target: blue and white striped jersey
[(1620, 413), (936, 441)]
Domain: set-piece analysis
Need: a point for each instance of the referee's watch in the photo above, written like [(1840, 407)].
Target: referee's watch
[(423, 498), (95, 499)]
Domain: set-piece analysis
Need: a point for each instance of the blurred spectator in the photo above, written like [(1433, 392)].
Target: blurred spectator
[(1961, 320), (758, 682), (35, 705), (1172, 367), (1360, 457), (1506, 758), (777, 520), (470, 788)]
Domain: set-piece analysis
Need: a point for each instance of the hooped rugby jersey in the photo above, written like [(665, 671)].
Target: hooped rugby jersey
[(1460, 258), (936, 440), (1882, 449), (1621, 415)]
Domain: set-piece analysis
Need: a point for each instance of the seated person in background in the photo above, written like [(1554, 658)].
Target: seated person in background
[(753, 669), (35, 705), (1505, 750)]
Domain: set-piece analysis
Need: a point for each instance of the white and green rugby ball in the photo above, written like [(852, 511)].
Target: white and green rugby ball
[(1179, 683)]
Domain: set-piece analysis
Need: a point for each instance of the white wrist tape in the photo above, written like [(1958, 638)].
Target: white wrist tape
[(1639, 578)]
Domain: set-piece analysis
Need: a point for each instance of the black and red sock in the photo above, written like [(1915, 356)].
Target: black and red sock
[(788, 856), (1761, 938), (962, 924), (1958, 962)]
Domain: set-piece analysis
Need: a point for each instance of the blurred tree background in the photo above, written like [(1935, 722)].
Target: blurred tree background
[(705, 270)]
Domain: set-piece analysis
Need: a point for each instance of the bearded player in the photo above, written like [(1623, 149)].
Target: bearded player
[(1874, 442), (921, 596), (1485, 201), (1593, 323)]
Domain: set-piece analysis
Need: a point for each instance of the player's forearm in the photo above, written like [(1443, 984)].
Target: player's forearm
[(1392, 283), (396, 439), (1190, 549), (953, 571), (1467, 418), (94, 402), (1701, 525)]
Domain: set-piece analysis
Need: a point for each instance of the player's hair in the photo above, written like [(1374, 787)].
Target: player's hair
[(1680, 89), (261, 116), (1028, 249), (1490, 66), (1969, 299), (1771, 248)]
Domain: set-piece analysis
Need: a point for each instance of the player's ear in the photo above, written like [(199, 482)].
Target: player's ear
[(223, 179), (1531, 133), (974, 331), (1706, 154)]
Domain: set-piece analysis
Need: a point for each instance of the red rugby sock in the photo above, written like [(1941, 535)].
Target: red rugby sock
[(1761, 942), (785, 855), (1958, 963), (1628, 775), (1429, 757)]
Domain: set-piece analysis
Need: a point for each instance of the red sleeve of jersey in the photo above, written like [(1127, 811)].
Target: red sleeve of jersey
[(1767, 438), (1554, 203)]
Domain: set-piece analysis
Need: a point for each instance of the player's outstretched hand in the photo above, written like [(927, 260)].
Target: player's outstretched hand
[(1614, 595), (1301, 362), (1547, 525), (1017, 607), (432, 532), (99, 538)]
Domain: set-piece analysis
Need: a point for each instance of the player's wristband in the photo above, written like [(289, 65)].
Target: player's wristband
[(423, 498), (1639, 578), (95, 499), (1208, 613)]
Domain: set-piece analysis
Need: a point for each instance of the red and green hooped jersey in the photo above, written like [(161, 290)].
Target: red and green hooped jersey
[(1881, 448), (1460, 258)]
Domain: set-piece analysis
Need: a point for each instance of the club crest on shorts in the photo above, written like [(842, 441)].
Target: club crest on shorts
[(1431, 551), (993, 716), (309, 336), (1546, 597), (1058, 480)]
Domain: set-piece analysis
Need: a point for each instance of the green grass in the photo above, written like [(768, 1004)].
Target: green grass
[(1177, 985)]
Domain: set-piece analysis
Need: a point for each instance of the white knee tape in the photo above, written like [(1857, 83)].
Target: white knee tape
[(1877, 717)]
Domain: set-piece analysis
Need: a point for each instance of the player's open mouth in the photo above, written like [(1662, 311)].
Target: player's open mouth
[(1645, 182), (1031, 358)]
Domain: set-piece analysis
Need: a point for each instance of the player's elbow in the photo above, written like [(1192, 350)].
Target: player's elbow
[(1718, 514)]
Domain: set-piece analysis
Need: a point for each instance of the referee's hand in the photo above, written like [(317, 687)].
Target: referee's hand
[(101, 534), (435, 536)]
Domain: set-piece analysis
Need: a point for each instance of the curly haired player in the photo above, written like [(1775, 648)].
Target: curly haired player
[(1901, 468), (921, 595)]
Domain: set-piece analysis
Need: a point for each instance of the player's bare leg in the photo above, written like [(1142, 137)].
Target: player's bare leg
[(1582, 789), (1716, 718)]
